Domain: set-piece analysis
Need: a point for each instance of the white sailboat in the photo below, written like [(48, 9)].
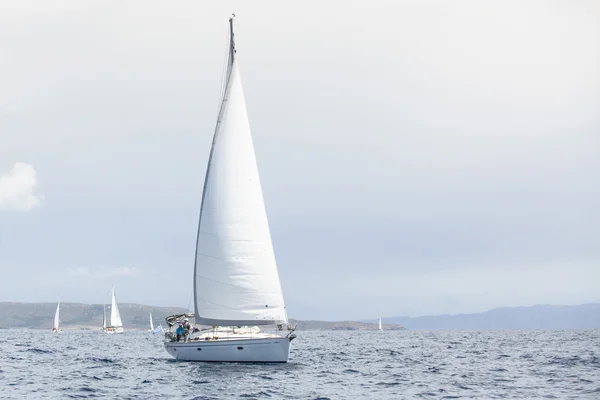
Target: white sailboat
[(104, 318), (56, 325), (151, 323), (236, 282), (380, 328), (116, 324)]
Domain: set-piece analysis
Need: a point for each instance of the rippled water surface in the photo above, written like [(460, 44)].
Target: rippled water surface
[(335, 365)]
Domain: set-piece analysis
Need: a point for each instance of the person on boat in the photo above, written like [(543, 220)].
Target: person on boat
[(180, 332), (187, 328)]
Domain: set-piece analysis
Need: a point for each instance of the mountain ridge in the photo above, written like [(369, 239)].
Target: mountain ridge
[(136, 316), (539, 316)]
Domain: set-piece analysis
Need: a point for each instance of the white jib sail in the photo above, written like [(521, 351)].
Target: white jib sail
[(236, 277), (151, 322), (57, 316), (115, 317)]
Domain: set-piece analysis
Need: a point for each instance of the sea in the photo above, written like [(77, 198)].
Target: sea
[(565, 364)]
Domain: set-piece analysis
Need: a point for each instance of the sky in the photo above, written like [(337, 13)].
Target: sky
[(416, 157)]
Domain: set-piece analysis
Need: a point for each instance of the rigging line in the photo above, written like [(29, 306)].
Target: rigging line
[(223, 76), (229, 284), (216, 304), (190, 300), (213, 280), (253, 290), (209, 256), (277, 306), (230, 258)]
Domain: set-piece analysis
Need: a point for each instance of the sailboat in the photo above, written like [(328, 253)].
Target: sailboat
[(55, 326), (236, 281), (151, 323), (380, 328), (116, 324), (104, 318)]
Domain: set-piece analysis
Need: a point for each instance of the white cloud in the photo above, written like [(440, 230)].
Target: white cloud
[(17, 188), (103, 272), (81, 271), (123, 271)]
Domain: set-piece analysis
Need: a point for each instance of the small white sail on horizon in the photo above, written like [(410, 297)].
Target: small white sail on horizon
[(236, 281), (56, 324), (116, 324), (380, 328), (151, 323), (104, 317)]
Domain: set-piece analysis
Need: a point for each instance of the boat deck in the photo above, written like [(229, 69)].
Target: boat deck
[(223, 336)]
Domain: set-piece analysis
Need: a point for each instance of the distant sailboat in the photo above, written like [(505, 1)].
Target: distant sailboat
[(56, 327), (158, 329), (380, 328), (104, 318), (116, 324)]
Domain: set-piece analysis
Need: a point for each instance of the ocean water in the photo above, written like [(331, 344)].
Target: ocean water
[(323, 364)]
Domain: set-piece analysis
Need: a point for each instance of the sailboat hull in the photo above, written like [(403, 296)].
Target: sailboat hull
[(267, 350), (111, 330)]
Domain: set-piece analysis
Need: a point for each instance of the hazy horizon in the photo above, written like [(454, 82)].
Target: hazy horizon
[(416, 157), (364, 319)]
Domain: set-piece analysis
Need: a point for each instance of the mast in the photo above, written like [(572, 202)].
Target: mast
[(231, 40)]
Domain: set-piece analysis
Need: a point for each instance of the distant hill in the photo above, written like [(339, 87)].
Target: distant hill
[(342, 325), (585, 316), (134, 316)]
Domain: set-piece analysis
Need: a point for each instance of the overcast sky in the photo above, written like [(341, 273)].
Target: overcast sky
[(417, 157)]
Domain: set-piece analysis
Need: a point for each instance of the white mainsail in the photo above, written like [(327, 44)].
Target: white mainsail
[(151, 323), (380, 323), (56, 317), (104, 318), (236, 278), (115, 317)]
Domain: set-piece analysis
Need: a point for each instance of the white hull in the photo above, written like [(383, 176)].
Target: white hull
[(264, 350), (114, 330)]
